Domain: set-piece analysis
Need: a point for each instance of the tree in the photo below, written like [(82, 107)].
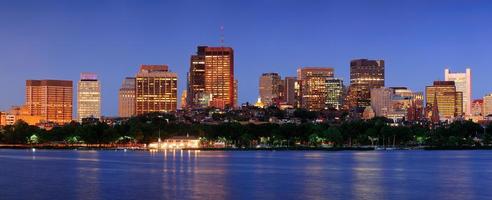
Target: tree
[(334, 136)]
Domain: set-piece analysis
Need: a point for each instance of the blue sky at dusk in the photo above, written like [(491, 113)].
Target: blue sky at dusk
[(417, 39)]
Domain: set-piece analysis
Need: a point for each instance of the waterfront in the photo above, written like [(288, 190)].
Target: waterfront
[(71, 174)]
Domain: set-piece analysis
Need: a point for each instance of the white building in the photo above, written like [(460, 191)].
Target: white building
[(463, 84), (88, 97)]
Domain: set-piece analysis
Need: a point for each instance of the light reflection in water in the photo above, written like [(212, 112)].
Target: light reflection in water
[(88, 175), (366, 183), (245, 175)]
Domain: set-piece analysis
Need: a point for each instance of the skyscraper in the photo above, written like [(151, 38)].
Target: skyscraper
[(449, 101), (156, 89), (462, 82), (88, 97), (212, 75), (334, 98), (313, 86), (270, 88), (50, 99), (126, 98), (289, 90), (364, 75), (196, 80)]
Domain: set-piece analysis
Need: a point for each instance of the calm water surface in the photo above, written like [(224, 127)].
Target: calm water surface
[(70, 174)]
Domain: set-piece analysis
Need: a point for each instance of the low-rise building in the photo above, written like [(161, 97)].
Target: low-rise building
[(177, 142)]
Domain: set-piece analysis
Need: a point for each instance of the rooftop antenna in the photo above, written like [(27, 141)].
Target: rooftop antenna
[(222, 35)]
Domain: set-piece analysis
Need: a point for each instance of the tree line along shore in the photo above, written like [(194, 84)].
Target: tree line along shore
[(138, 131)]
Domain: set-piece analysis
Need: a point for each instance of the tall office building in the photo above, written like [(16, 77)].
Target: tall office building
[(313, 86), (289, 94), (487, 105), (449, 100), (88, 97), (334, 98), (155, 89), (212, 75), (50, 99), (270, 88), (381, 101), (364, 75), (196, 81), (126, 98), (462, 82)]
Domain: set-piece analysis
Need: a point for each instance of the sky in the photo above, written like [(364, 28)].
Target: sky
[(417, 39)]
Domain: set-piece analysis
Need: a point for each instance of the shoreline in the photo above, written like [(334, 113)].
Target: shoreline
[(328, 149)]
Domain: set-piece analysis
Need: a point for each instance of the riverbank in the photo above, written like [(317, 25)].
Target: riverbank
[(459, 148), (142, 148), (300, 148), (78, 147)]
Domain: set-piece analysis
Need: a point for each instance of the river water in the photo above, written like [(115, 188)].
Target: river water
[(71, 174)]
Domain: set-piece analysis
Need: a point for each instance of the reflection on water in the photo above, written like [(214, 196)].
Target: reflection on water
[(177, 174), (87, 181)]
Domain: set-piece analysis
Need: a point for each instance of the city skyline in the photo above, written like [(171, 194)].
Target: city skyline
[(415, 53)]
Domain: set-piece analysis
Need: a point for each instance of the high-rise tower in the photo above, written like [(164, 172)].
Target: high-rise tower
[(270, 88), (449, 100), (88, 97), (364, 75), (462, 82), (50, 99), (211, 78), (155, 89), (313, 87), (126, 98)]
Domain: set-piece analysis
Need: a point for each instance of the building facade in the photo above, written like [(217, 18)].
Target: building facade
[(126, 98), (396, 102), (50, 99), (381, 100), (88, 97), (196, 81), (477, 107), (17, 113), (184, 96), (313, 87), (364, 75), (449, 101), (289, 93), (270, 88), (462, 82), (212, 75), (487, 105), (155, 89), (334, 98)]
